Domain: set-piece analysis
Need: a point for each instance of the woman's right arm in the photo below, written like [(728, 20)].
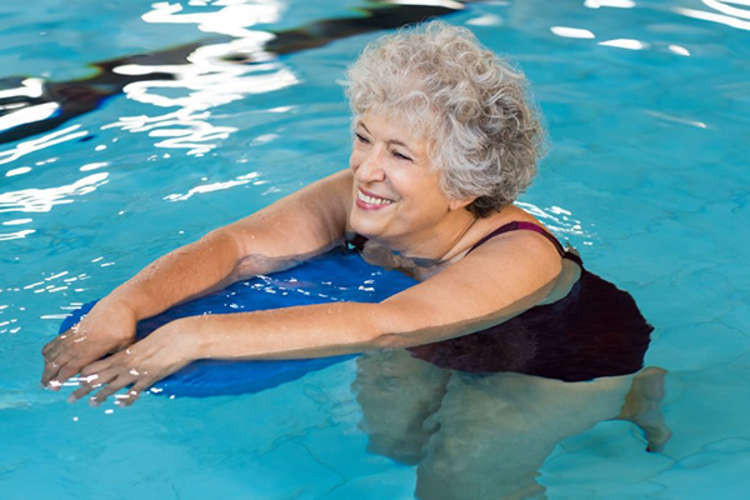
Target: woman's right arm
[(281, 235)]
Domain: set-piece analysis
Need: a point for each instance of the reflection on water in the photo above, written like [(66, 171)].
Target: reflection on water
[(216, 186), (487, 436), (22, 149), (231, 18), (620, 4), (210, 82), (625, 43), (42, 200), (208, 73), (730, 15), (559, 220)]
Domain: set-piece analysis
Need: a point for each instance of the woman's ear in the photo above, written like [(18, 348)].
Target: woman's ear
[(457, 204)]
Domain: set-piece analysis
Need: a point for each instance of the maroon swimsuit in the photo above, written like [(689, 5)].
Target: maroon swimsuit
[(594, 331)]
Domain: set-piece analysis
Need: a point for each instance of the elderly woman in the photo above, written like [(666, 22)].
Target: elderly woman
[(444, 142)]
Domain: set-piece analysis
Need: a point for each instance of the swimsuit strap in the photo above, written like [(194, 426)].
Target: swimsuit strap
[(529, 226), (355, 243)]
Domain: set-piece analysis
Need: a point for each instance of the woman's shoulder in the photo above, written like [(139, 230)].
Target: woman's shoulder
[(512, 222)]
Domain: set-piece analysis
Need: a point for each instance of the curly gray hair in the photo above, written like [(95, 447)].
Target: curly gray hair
[(485, 137)]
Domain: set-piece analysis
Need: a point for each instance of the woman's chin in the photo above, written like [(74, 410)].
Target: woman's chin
[(366, 224)]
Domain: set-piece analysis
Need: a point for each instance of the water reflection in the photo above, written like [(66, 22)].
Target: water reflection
[(487, 436), (17, 171), (235, 63), (568, 32), (231, 18), (42, 200), (216, 186), (558, 219), (733, 16), (24, 148), (680, 50), (625, 43), (620, 4)]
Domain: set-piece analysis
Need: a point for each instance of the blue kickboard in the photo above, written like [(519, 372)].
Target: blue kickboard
[(333, 277)]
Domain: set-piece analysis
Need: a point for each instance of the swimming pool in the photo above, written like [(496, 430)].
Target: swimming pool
[(647, 107)]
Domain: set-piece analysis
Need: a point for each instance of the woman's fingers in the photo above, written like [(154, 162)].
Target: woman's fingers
[(108, 327), (52, 359), (60, 361), (66, 371), (56, 346), (99, 366), (111, 388), (84, 389), (56, 368), (135, 392), (112, 380), (51, 346), (91, 382), (50, 370), (141, 364)]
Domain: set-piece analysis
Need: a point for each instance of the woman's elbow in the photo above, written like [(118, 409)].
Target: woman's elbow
[(390, 341), (222, 239), (389, 328)]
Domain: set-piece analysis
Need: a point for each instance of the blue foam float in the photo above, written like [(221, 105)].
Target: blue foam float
[(333, 277)]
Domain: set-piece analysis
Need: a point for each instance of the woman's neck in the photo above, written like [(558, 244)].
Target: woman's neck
[(439, 243)]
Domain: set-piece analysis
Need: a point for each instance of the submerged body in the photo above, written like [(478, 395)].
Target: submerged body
[(584, 329), (487, 436)]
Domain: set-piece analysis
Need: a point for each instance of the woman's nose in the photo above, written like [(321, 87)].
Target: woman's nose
[(371, 168)]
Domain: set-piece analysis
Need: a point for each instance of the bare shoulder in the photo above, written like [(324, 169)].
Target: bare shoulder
[(506, 275), (519, 245)]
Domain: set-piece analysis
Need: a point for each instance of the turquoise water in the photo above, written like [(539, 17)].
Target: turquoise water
[(647, 106)]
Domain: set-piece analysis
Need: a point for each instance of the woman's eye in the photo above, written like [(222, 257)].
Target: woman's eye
[(401, 156), (362, 138)]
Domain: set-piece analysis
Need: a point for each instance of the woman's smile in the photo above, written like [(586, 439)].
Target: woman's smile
[(370, 201)]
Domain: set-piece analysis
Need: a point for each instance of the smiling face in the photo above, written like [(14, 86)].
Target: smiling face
[(397, 198)]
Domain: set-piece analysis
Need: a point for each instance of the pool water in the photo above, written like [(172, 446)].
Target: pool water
[(647, 104)]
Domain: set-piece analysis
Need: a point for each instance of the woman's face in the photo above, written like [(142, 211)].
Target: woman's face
[(396, 194)]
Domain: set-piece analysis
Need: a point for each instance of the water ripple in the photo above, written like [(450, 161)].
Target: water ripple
[(212, 76), (734, 17), (215, 186), (46, 141), (42, 200), (231, 19)]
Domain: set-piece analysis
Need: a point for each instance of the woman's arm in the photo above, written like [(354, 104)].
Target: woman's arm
[(293, 229), (499, 280), (299, 226)]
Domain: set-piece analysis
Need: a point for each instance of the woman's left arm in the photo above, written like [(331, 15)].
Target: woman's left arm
[(501, 279)]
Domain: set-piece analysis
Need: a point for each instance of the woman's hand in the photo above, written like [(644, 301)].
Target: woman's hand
[(108, 327), (162, 353)]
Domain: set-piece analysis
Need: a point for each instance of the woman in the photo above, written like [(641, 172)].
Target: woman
[(444, 142)]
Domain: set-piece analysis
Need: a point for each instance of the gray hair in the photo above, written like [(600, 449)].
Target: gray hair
[(485, 137)]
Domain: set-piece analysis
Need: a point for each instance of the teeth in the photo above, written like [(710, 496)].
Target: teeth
[(372, 201)]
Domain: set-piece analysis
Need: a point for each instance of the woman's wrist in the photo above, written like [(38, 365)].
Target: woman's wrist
[(187, 335), (119, 298), (111, 317)]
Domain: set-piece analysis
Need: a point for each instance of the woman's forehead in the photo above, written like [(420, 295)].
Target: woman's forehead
[(405, 127)]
